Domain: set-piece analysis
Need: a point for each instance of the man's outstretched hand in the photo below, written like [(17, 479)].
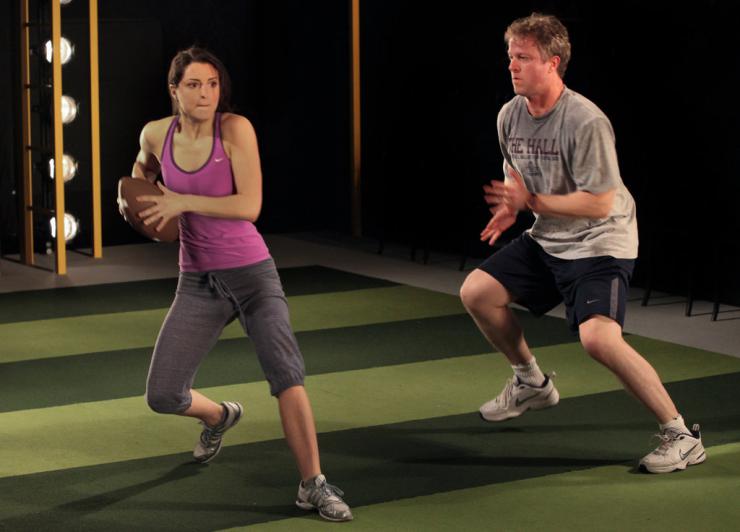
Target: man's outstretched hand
[(503, 218)]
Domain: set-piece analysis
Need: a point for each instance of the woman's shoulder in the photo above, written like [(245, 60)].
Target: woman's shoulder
[(153, 135), (158, 128), (234, 126)]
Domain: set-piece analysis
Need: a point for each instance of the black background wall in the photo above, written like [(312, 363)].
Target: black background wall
[(289, 64), (434, 77)]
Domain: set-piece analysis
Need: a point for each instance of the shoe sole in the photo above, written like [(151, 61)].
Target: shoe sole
[(536, 406), (690, 461), (209, 458), (220, 444), (512, 416), (310, 507)]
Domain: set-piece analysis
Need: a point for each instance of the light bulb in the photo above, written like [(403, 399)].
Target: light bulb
[(66, 50), (71, 227), (69, 109), (69, 167)]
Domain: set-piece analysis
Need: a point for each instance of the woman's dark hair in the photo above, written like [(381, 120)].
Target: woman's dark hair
[(194, 54)]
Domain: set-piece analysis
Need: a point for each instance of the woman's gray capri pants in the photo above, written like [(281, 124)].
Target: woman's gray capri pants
[(205, 302)]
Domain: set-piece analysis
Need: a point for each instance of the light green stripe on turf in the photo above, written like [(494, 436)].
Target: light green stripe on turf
[(673, 362), (50, 438), (109, 332), (607, 498), (110, 431)]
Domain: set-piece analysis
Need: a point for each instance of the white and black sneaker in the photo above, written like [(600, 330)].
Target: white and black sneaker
[(518, 397), (677, 450), (211, 438), (318, 494)]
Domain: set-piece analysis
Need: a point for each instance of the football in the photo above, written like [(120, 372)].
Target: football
[(129, 189)]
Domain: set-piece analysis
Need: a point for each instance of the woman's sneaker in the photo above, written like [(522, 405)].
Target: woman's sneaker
[(210, 439), (318, 494), (518, 397), (677, 450)]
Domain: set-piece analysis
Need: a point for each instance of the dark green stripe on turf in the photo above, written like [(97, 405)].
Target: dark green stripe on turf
[(84, 300), (307, 280), (116, 374), (158, 293), (257, 482)]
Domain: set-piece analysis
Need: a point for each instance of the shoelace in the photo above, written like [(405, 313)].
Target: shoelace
[(210, 436), (667, 437), (330, 492), (505, 396)]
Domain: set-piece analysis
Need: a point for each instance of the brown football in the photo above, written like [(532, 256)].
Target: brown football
[(128, 190)]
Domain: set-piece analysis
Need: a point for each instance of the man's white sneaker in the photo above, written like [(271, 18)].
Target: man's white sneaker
[(676, 451), (518, 397)]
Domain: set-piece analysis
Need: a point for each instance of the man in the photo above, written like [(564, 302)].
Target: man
[(560, 162)]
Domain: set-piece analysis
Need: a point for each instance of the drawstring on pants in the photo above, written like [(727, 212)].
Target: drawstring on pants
[(220, 287)]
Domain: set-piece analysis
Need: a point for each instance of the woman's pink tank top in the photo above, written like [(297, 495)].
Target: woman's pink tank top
[(208, 243)]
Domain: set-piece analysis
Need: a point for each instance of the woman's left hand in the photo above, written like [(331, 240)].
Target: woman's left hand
[(167, 206)]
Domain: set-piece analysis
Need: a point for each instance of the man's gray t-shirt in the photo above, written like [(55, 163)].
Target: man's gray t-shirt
[(570, 149)]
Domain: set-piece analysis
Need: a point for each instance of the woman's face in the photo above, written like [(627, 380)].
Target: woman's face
[(198, 92)]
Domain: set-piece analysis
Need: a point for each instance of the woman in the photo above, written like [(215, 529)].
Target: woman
[(209, 161)]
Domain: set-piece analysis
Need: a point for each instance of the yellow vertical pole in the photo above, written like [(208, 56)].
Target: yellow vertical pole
[(95, 131), (27, 256), (56, 40), (356, 116)]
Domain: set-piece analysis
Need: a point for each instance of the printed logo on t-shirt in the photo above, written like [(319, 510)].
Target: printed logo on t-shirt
[(534, 148)]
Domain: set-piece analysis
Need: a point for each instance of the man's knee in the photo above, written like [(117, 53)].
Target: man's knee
[(599, 336), (481, 290)]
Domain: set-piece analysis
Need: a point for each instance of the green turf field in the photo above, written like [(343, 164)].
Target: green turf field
[(395, 375)]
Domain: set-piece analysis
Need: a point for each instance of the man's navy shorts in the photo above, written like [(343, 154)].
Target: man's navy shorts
[(539, 281)]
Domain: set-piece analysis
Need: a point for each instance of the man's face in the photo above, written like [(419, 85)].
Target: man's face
[(530, 74)]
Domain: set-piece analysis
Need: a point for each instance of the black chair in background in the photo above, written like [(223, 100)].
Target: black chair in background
[(706, 270), (657, 243)]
